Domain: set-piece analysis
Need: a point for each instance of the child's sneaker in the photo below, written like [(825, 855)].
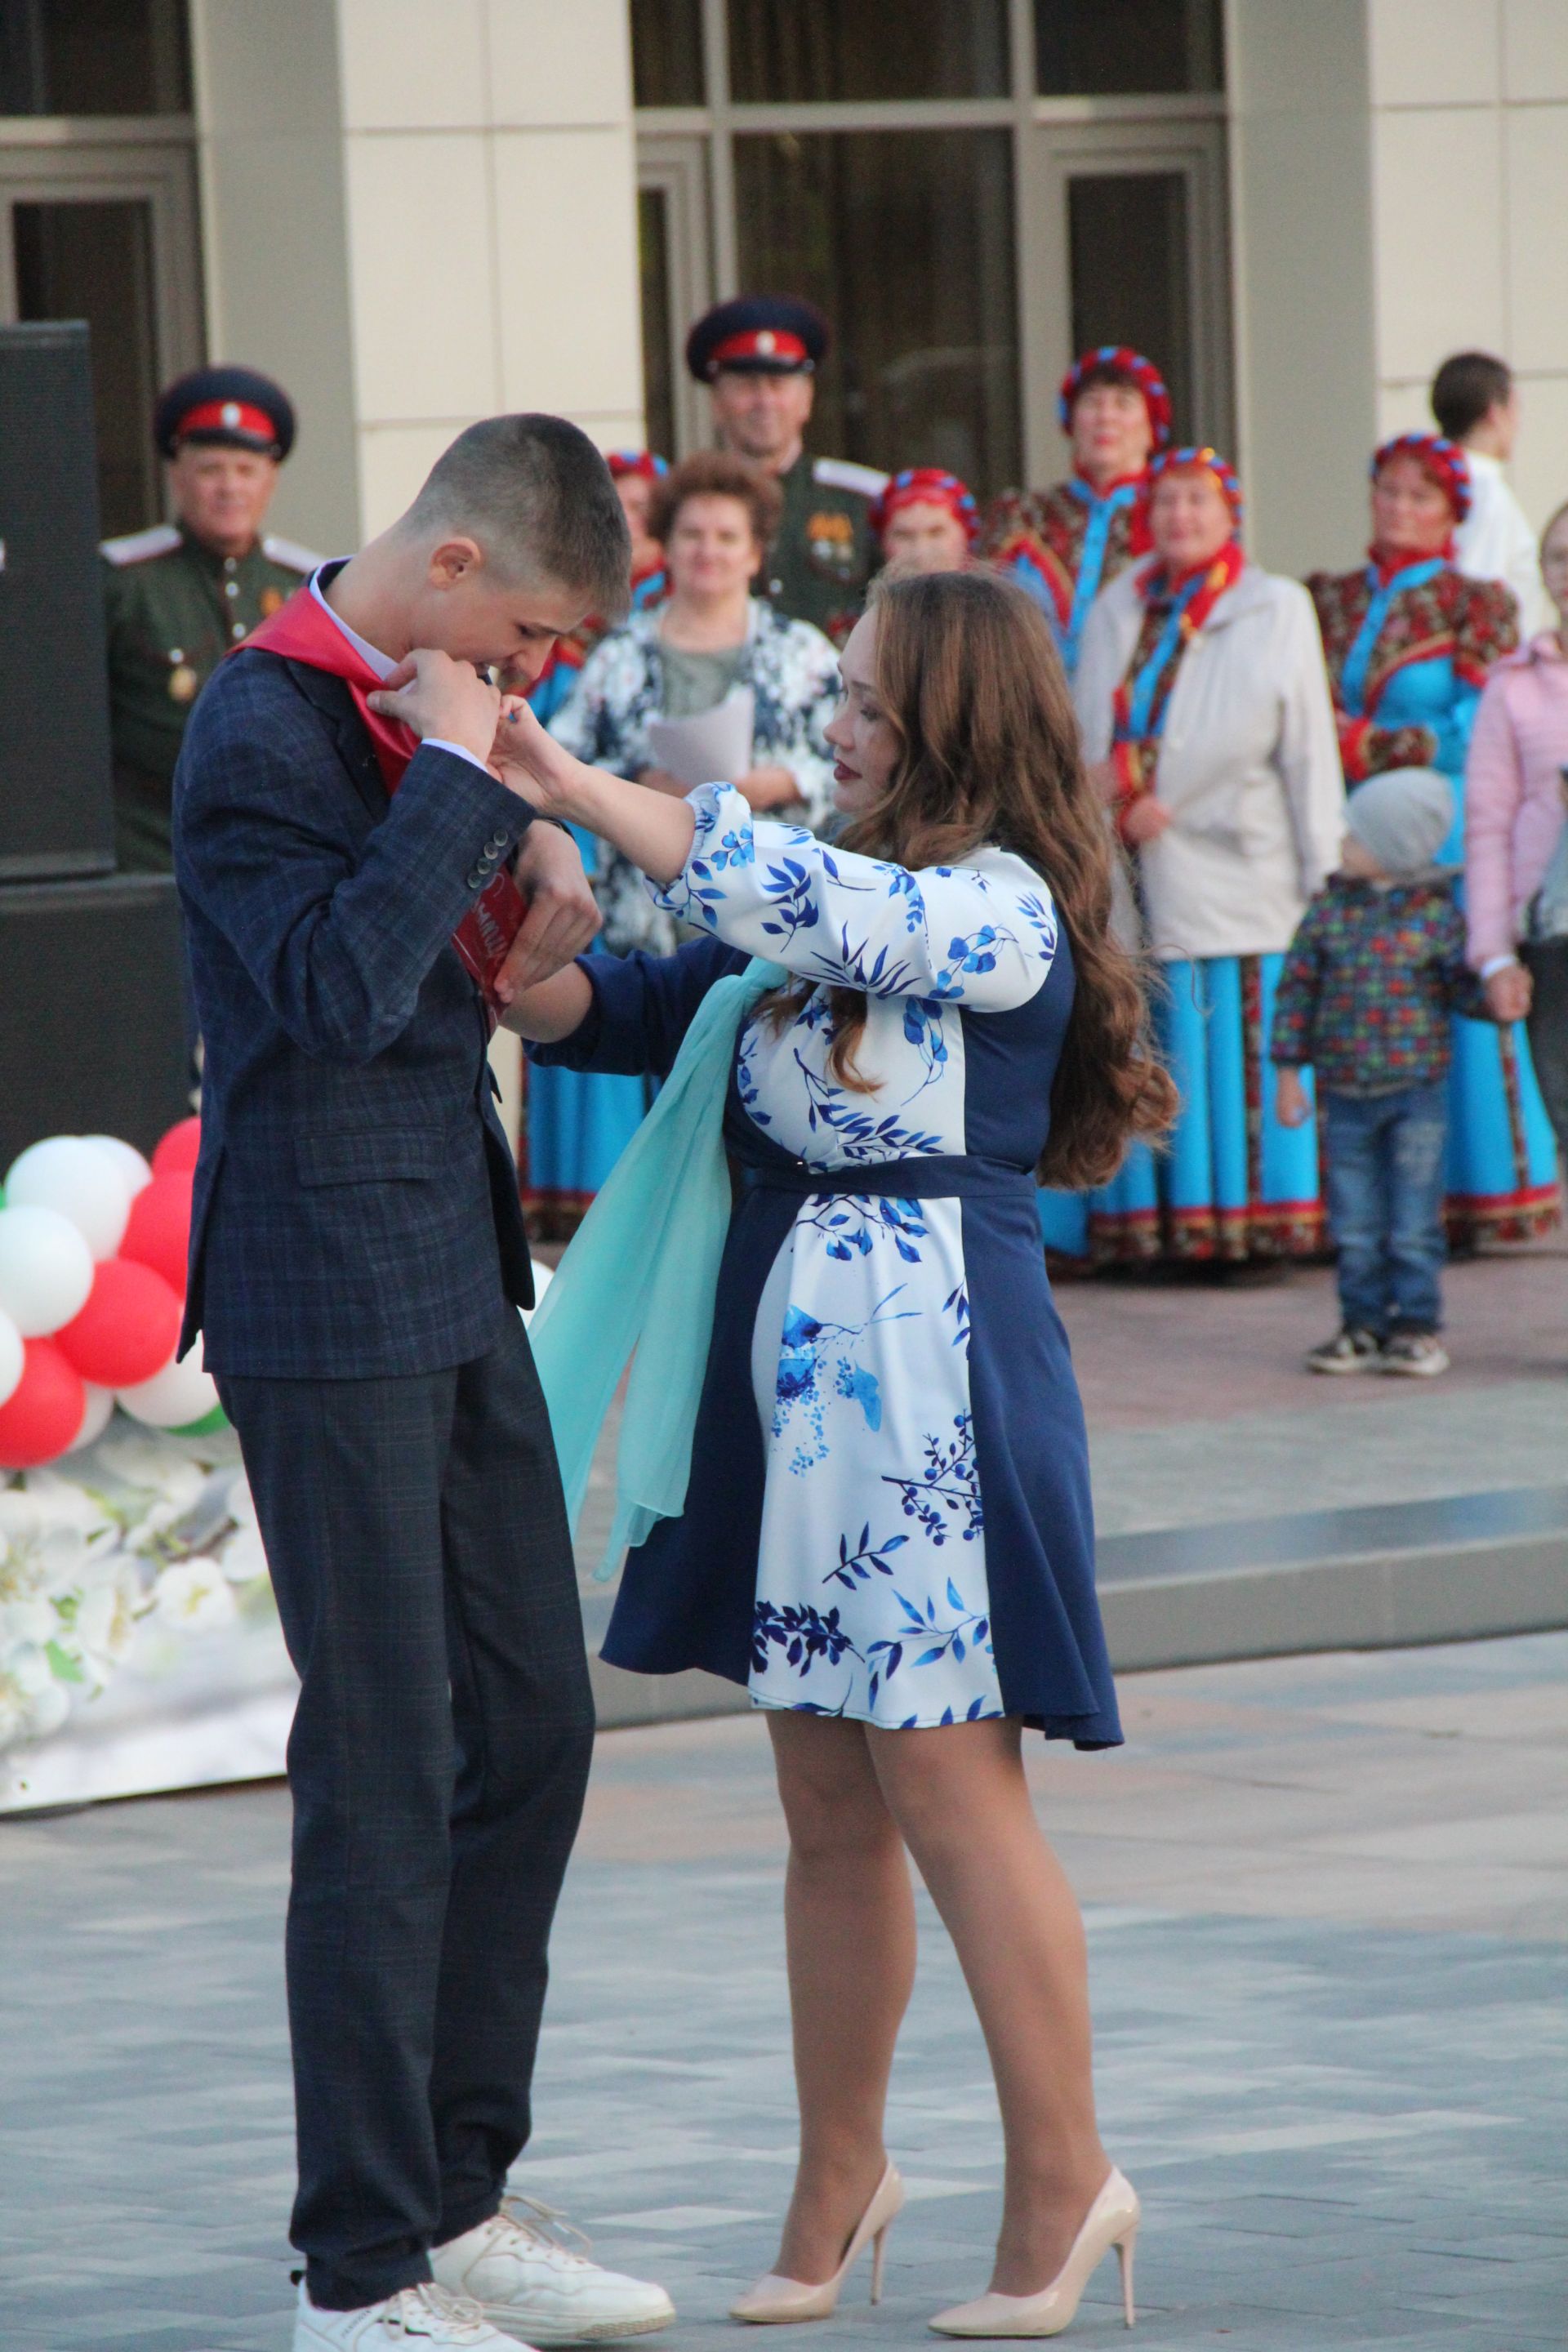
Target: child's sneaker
[(1418, 1355), (1350, 1350)]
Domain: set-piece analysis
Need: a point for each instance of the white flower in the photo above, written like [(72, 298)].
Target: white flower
[(61, 1504), (243, 1557), (31, 1703), (29, 1620), (105, 1623), (193, 1597)]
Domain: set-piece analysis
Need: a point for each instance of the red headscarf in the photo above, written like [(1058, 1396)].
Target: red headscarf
[(926, 485)]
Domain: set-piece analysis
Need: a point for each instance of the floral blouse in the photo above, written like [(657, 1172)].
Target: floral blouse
[(793, 671)]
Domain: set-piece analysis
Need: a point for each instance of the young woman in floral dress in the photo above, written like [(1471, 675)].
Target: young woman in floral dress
[(888, 1531)]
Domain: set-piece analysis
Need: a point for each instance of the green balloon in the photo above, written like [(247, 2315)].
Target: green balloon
[(209, 1423)]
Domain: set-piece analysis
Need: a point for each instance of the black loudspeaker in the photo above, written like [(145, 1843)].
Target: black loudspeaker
[(56, 806), (92, 1022)]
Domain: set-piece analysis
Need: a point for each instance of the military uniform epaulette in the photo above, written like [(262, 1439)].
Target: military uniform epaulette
[(290, 553), (842, 474), (136, 546)]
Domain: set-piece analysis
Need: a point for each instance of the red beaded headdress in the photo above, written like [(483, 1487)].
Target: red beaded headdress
[(1118, 364), (1443, 459), (1202, 461), (927, 485)]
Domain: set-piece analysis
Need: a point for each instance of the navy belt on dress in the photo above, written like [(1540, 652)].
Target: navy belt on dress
[(934, 1177)]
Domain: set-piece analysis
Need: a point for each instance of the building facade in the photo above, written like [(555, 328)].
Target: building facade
[(417, 211)]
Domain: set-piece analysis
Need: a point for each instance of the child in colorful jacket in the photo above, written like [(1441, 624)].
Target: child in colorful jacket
[(1376, 969)]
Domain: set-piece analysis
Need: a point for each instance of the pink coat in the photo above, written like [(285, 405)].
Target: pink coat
[(1514, 794)]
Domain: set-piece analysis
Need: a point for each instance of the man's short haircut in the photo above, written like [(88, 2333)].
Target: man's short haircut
[(716, 474), (538, 497), (1465, 388)]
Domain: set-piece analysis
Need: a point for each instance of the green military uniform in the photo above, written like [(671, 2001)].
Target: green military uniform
[(174, 610), (825, 553)]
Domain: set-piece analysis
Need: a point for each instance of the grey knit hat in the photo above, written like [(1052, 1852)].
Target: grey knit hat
[(1403, 817)]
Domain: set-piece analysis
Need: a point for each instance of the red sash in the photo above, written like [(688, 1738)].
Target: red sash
[(300, 631)]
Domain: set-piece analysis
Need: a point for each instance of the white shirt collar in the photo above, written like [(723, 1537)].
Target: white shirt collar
[(367, 653)]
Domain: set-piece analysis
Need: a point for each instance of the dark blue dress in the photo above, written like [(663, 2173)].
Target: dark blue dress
[(888, 1516)]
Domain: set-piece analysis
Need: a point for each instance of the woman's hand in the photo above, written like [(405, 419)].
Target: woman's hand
[(530, 762), (769, 788), (1509, 993), (1292, 1103), (1143, 819)]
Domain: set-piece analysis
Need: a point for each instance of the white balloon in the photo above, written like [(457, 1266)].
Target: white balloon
[(45, 1270), (13, 1359), (68, 1173), (137, 1171), (95, 1417), (177, 1395)]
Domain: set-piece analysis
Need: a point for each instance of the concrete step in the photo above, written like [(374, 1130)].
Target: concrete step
[(1377, 1576)]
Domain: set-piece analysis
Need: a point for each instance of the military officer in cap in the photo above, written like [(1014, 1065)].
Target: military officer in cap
[(758, 356), (179, 595)]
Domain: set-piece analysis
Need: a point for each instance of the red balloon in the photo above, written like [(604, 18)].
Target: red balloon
[(159, 1232), (128, 1328), (39, 1420), (176, 1154)]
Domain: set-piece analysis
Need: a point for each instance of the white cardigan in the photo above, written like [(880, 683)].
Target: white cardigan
[(1248, 766)]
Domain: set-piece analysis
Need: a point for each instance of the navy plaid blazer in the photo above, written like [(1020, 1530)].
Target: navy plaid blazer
[(356, 1211)]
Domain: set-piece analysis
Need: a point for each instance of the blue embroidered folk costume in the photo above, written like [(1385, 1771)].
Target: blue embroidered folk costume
[(1408, 647)]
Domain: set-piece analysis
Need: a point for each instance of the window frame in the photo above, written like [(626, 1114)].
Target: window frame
[(1051, 138)]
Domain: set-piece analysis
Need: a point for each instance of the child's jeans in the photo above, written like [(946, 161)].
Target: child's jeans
[(1386, 1155)]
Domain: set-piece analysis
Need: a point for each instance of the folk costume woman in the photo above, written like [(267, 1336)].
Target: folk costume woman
[(926, 520), (1066, 544), (1206, 712), (885, 1531), (1409, 641), (675, 657)]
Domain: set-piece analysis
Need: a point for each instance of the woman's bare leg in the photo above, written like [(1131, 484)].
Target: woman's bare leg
[(849, 1933), (959, 1796)]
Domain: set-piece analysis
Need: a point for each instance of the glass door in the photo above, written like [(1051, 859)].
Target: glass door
[(675, 253), (1128, 246), (106, 231)]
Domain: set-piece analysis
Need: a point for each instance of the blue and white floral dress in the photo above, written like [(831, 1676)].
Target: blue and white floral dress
[(888, 1516)]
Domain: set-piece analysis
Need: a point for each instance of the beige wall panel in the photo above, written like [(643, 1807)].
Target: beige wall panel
[(566, 230), (1403, 408), (1301, 218), (622, 430), (1535, 147), (1535, 48), (1539, 466), (394, 460), (1433, 52), (419, 246), (413, 65), (270, 157), (1438, 258), (551, 62)]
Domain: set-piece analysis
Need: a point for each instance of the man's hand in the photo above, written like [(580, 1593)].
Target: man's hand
[(1144, 819), (562, 916), (437, 695), (1508, 993), (1292, 1104)]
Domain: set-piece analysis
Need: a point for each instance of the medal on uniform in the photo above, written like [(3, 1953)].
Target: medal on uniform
[(830, 542), (271, 602), (182, 679)]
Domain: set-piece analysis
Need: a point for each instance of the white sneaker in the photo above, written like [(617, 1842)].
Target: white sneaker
[(527, 2282), (427, 2315)]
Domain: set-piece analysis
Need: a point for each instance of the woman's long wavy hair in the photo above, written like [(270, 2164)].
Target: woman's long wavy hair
[(970, 681)]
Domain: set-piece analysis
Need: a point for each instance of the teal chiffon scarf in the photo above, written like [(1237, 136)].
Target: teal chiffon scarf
[(637, 1281)]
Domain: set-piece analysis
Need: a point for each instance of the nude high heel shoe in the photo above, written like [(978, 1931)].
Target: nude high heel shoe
[(1111, 2220), (779, 2302)]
